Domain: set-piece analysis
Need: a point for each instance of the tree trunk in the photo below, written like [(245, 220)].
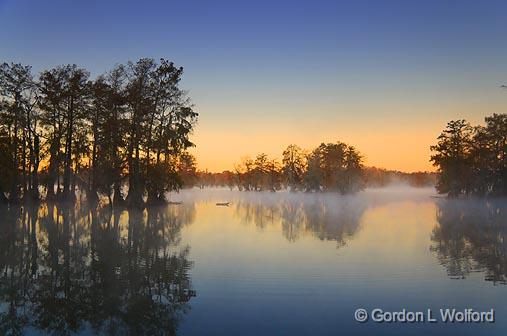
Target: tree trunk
[(135, 196), (118, 200), (68, 154), (35, 172), (14, 194), (52, 175), (92, 180), (23, 164)]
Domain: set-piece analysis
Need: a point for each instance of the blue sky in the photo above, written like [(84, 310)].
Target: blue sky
[(280, 72)]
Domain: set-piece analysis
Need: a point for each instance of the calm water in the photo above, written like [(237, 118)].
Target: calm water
[(267, 264)]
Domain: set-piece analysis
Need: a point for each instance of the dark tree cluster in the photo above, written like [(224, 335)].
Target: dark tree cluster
[(126, 130), (372, 177), (261, 173), (329, 167), (472, 160)]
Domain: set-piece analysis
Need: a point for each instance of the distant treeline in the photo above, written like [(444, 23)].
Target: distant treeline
[(334, 167), (63, 131), (379, 177), (472, 160)]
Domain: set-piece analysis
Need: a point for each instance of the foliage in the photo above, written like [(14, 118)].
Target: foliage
[(293, 167), (93, 135), (472, 160), (330, 167)]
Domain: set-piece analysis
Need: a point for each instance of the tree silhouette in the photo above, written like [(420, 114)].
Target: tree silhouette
[(132, 124), (330, 167), (294, 165), (334, 167), (472, 161), (18, 122)]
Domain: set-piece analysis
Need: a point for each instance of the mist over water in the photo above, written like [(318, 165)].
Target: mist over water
[(393, 192), (266, 263)]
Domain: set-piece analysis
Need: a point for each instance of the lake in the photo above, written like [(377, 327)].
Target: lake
[(266, 264)]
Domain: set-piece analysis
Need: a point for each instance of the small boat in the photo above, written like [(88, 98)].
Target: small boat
[(175, 203), (223, 204)]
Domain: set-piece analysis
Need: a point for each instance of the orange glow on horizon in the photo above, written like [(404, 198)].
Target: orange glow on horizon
[(390, 136), (408, 151)]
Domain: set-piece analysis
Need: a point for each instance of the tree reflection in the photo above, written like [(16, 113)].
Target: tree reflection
[(67, 269), (326, 219), (471, 236)]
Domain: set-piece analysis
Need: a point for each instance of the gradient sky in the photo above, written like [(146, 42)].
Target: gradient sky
[(384, 76)]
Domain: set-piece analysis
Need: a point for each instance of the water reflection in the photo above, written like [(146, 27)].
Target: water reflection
[(324, 218), (67, 269), (471, 236)]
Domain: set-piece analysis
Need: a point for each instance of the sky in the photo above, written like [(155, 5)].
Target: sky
[(383, 76)]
